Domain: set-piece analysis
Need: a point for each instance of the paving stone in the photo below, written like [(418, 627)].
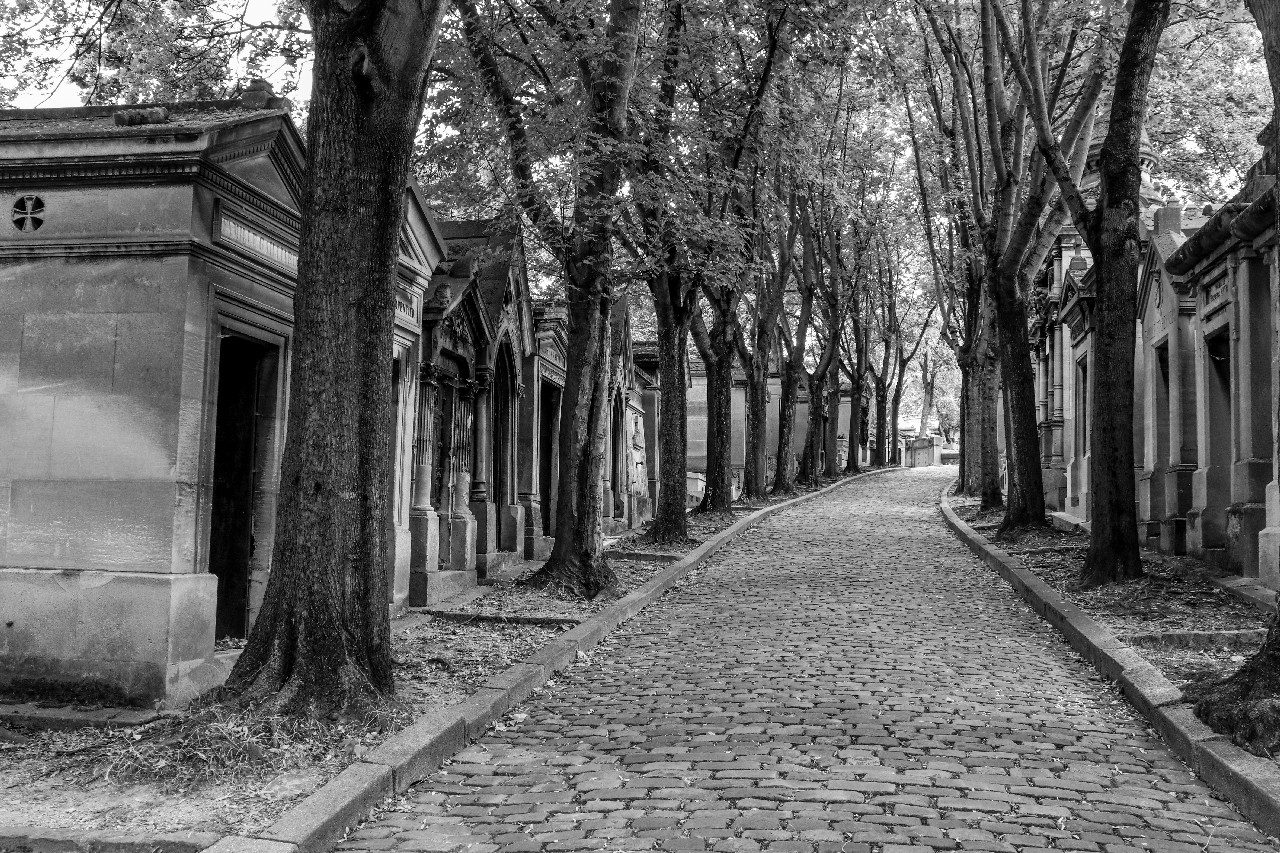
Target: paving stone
[(844, 677)]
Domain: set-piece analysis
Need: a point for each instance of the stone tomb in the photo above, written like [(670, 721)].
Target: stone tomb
[(146, 281)]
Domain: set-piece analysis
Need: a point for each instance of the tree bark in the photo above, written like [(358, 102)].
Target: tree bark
[(670, 520), (321, 643), (717, 348), (577, 564), (928, 375), (980, 434), (853, 464), (809, 459), (756, 473), (882, 455), (1113, 543), (784, 472), (1025, 505)]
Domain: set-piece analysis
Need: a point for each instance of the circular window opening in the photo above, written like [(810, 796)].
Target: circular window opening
[(28, 213)]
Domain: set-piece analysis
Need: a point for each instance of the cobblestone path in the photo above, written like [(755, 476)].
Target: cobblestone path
[(844, 677)]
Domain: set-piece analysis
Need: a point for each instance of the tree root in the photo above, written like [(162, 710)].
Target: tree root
[(1243, 706)]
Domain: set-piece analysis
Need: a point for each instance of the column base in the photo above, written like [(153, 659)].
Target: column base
[(427, 589), (486, 543), (462, 543), (1055, 488), (424, 552), (511, 527), (1173, 536), (1244, 523)]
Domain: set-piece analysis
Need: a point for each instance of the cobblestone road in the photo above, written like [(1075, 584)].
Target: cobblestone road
[(844, 677)]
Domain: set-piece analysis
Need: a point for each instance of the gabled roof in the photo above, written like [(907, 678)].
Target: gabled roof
[(493, 250)]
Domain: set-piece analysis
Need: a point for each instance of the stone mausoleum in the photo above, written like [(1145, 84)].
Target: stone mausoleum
[(147, 271), (1206, 380)]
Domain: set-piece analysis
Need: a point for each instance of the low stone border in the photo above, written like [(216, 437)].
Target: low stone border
[(321, 820), (1250, 782)]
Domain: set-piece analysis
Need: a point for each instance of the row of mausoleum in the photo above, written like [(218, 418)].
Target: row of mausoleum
[(146, 321), (1205, 382)]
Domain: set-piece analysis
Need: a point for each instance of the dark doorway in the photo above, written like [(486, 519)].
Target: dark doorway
[(548, 471), (235, 474)]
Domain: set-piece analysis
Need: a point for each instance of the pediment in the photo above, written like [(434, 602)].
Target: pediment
[(267, 155)]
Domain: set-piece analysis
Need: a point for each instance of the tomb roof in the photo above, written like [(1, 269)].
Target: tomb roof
[(191, 117)]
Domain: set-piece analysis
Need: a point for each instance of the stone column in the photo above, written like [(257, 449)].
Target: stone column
[(1055, 479), (462, 523), (529, 459), (1251, 469), (424, 522), (1269, 537), (481, 502)]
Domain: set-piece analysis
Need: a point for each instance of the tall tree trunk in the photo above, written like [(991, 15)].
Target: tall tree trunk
[(670, 520), (1113, 541), (577, 564), (882, 454), (809, 459), (831, 462), (321, 642), (1025, 480), (784, 472), (717, 353), (853, 464), (756, 474), (927, 380), (980, 434), (1243, 705)]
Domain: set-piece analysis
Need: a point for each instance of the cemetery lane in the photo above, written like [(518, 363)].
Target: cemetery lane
[(844, 677)]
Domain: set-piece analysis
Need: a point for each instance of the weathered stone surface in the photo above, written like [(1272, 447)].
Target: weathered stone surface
[(843, 677)]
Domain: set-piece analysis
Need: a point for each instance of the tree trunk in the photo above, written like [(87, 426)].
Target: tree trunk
[(853, 464), (831, 440), (670, 520), (784, 471), (927, 380), (756, 473), (963, 479), (809, 459), (881, 457), (1025, 506), (894, 414), (980, 426), (321, 642), (1113, 541), (577, 564), (718, 496), (1246, 705)]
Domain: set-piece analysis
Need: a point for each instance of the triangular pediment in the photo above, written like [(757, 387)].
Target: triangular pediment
[(266, 154)]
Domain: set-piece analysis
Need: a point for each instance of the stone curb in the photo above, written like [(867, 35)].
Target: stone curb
[(1251, 783), (36, 839), (321, 820)]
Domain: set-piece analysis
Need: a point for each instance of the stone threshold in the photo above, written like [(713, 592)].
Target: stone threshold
[(321, 820), (1251, 783)]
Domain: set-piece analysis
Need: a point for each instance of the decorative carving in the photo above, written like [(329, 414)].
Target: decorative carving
[(28, 213)]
